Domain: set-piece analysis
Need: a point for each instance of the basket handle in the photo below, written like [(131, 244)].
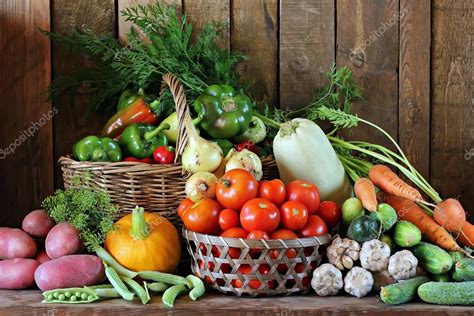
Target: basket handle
[(182, 111)]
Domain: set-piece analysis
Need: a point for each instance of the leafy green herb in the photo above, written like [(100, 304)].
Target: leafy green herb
[(161, 43), (331, 103), (85, 207)]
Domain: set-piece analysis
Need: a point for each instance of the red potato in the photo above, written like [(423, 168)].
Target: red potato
[(42, 257), (37, 223), (15, 243), (70, 271), (62, 240), (18, 273)]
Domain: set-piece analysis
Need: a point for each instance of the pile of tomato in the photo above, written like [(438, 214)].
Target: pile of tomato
[(245, 208)]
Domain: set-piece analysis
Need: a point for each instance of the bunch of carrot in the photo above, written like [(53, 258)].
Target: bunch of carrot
[(448, 215)]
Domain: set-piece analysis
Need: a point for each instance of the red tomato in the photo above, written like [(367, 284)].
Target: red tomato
[(257, 235), (235, 232), (315, 227), (260, 214), (290, 253), (283, 234), (273, 190), (203, 217), (304, 192), (210, 267), (245, 269), (330, 212), (294, 215), (235, 188), (183, 206), (228, 219), (164, 155)]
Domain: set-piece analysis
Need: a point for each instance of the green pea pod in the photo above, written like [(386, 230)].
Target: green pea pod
[(157, 287), (198, 289), (172, 293), (165, 278), (137, 288), (70, 296), (118, 284)]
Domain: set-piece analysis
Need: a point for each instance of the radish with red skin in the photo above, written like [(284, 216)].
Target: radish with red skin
[(70, 271), (62, 240), (37, 223), (18, 273), (15, 243)]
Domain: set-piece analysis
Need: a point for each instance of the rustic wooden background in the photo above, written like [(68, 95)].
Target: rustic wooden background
[(416, 72)]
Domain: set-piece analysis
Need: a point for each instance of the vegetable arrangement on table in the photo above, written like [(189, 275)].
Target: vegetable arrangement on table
[(396, 239)]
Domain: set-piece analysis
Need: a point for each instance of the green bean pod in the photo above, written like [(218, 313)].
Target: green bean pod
[(107, 292), (109, 260), (198, 289), (137, 288), (172, 293), (157, 287), (70, 296), (167, 278), (118, 284)]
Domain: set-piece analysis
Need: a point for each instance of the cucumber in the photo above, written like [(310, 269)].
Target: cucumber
[(464, 270), (388, 240), (447, 293), (401, 292), (406, 234), (440, 277), (456, 256), (432, 258), (385, 215)]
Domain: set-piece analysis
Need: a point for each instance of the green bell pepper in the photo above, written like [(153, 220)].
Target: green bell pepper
[(224, 111), (128, 97), (255, 133), (225, 144), (135, 144), (93, 148)]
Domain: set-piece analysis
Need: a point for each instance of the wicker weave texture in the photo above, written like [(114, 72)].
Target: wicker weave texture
[(157, 188), (255, 267)]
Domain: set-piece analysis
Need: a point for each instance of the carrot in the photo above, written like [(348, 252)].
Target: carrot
[(410, 211), (364, 189), (466, 236), (388, 181), (450, 214)]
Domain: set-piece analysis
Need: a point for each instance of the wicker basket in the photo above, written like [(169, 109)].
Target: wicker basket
[(157, 188), (269, 271)]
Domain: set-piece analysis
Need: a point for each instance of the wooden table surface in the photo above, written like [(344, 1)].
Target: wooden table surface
[(29, 303)]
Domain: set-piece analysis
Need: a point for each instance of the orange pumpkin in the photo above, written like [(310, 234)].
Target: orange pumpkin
[(144, 241)]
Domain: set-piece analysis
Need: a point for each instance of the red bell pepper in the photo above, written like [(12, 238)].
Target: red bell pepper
[(137, 112), (247, 144), (144, 160)]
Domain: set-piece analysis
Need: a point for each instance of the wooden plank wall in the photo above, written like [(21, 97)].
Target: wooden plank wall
[(413, 59)]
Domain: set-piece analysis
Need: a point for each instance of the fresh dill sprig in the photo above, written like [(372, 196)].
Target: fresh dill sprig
[(161, 42), (85, 207)]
